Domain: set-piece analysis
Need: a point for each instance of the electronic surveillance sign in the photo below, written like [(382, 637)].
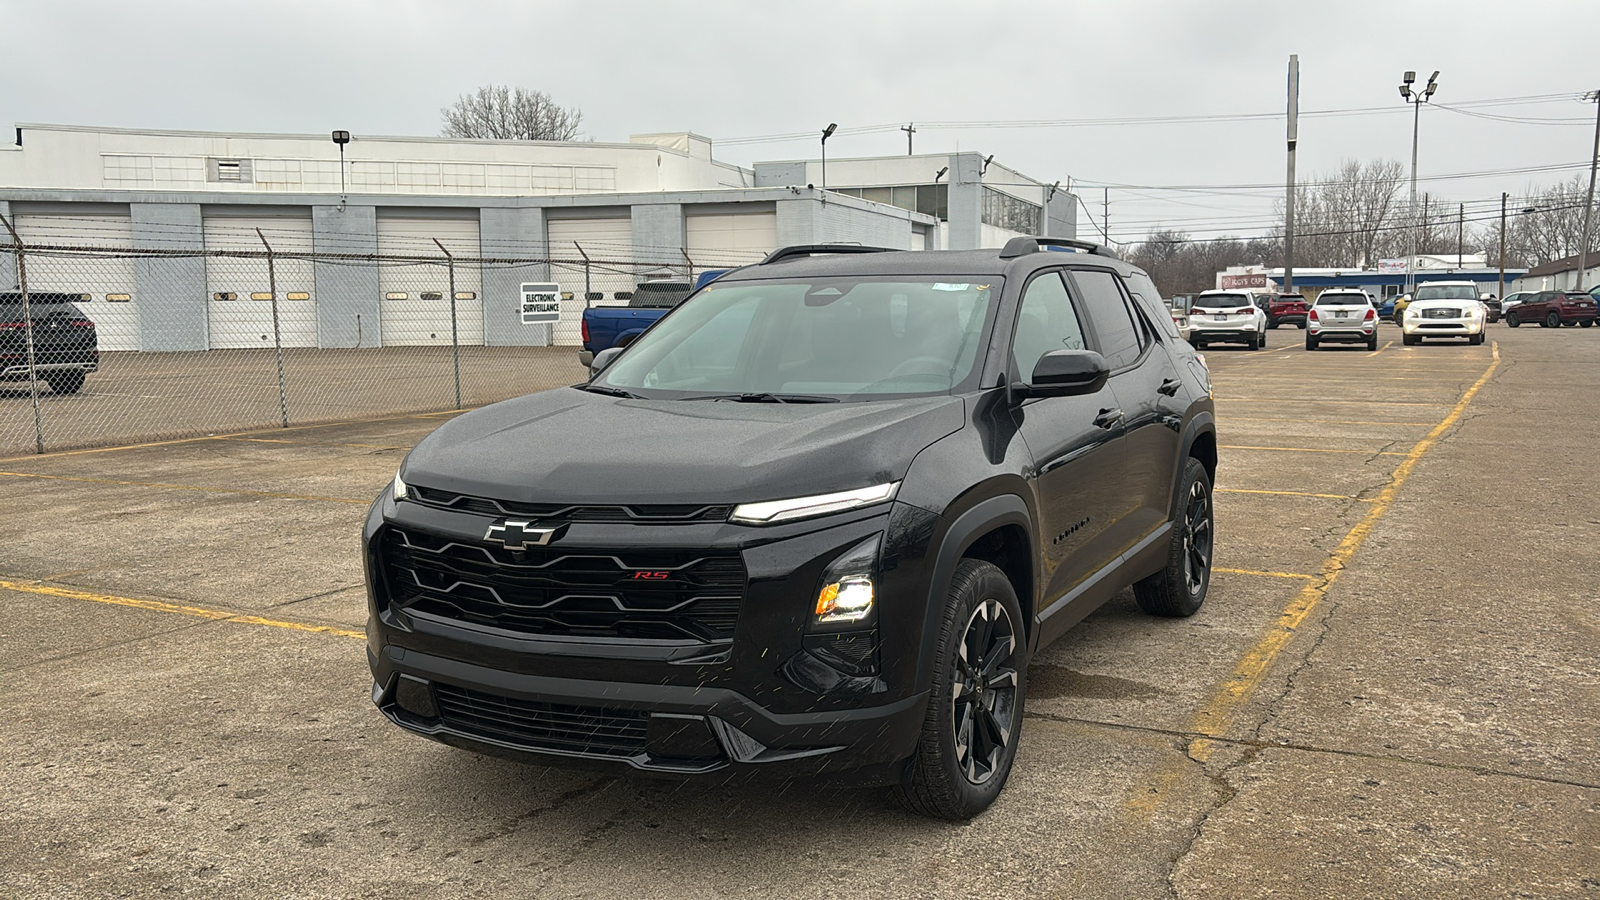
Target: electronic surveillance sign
[(541, 303)]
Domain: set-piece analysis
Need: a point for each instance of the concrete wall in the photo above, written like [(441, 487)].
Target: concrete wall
[(347, 296), (8, 261), (818, 218), (171, 291), (514, 232), (966, 202), (659, 234)]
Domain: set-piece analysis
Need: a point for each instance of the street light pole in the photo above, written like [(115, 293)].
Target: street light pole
[(826, 133), (1288, 194), (1588, 206), (1416, 99)]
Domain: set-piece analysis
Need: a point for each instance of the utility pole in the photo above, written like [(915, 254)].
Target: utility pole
[(1588, 206), (1105, 216), (909, 129), (1461, 231), (1288, 193), (1502, 295)]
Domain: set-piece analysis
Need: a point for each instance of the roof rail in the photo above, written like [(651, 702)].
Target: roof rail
[(798, 250), (1022, 246)]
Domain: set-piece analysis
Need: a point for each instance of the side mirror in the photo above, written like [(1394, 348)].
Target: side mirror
[(602, 359), (1065, 373)]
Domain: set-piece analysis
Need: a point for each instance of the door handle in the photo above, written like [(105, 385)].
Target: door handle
[(1108, 418), (1169, 387)]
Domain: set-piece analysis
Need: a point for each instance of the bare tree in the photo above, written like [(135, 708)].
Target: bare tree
[(1181, 265), (1351, 217), (1552, 231), (498, 112)]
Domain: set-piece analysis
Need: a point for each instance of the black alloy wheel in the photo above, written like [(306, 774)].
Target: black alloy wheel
[(973, 720), (1512, 320), (1552, 320), (983, 695), (1180, 587)]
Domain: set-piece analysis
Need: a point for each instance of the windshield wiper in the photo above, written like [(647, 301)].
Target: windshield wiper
[(765, 397), (608, 391)]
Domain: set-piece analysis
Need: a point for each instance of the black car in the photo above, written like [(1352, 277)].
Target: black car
[(817, 519), (66, 347)]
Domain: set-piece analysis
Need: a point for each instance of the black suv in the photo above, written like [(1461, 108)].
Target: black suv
[(66, 347), (818, 517)]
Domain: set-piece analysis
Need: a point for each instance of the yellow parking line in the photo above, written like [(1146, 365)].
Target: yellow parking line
[(1293, 494), (183, 487), (1267, 574), (199, 612), (1386, 346), (1304, 400), (1216, 716), (1327, 421), (1301, 450)]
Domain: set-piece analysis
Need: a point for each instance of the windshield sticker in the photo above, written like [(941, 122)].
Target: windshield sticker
[(939, 286)]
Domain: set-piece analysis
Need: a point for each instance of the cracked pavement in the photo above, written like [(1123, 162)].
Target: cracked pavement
[(1428, 730)]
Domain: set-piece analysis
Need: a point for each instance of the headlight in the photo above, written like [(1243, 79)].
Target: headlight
[(399, 488), (847, 590), (772, 511)]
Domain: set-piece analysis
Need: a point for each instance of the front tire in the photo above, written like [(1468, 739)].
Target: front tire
[(1179, 589), (1552, 320), (974, 718), (1512, 320), (1475, 340), (1410, 340)]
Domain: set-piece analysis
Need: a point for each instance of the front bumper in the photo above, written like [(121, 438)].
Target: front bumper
[(665, 729), (1442, 327), (764, 700)]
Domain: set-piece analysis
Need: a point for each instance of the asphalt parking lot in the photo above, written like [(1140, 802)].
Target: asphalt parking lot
[(1391, 691)]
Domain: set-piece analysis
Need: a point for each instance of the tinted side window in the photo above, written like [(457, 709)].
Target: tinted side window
[(1144, 291), (1109, 316), (1046, 322)]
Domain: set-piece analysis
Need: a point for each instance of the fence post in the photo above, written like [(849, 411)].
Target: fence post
[(690, 261), (27, 328), (277, 338), (586, 289), (455, 341)]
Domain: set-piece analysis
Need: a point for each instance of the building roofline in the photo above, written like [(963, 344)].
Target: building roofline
[(355, 137)]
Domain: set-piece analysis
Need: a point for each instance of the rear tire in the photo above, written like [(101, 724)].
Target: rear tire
[(1372, 343), (1512, 320), (1179, 589), (974, 718), (1302, 326), (69, 382), (1585, 323), (1272, 324), (1311, 342)]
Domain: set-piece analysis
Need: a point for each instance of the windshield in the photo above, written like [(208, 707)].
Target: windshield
[(1331, 299), (1447, 292), (832, 338), (1220, 301)]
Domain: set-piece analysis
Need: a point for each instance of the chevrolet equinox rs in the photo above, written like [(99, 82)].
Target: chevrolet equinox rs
[(816, 519)]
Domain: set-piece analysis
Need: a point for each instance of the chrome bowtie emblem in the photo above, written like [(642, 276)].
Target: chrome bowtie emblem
[(518, 535)]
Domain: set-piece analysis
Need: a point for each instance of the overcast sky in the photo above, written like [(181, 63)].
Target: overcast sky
[(749, 69)]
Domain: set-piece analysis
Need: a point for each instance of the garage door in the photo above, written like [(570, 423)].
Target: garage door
[(105, 281), (239, 308), (601, 239), (416, 296), (733, 239)]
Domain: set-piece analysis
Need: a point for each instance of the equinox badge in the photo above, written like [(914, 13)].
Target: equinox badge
[(519, 535)]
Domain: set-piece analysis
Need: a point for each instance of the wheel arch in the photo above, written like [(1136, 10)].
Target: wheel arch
[(1002, 529)]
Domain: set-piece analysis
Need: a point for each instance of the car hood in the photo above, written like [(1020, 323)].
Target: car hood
[(571, 446)]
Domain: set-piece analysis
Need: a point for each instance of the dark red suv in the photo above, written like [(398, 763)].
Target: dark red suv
[(1553, 309), (1286, 309)]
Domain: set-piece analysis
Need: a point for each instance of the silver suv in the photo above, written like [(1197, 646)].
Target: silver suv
[(1342, 315)]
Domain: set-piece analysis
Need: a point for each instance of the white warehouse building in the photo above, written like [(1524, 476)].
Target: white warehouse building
[(658, 204)]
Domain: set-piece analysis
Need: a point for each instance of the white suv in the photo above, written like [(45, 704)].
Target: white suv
[(1342, 315), (1444, 309), (1227, 316)]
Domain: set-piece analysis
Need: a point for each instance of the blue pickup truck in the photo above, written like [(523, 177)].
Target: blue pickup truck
[(617, 326)]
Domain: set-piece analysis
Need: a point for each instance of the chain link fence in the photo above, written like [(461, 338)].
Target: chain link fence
[(114, 345)]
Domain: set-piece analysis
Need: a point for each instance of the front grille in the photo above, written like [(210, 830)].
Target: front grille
[(592, 731), (1441, 314), (657, 513), (648, 595)]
